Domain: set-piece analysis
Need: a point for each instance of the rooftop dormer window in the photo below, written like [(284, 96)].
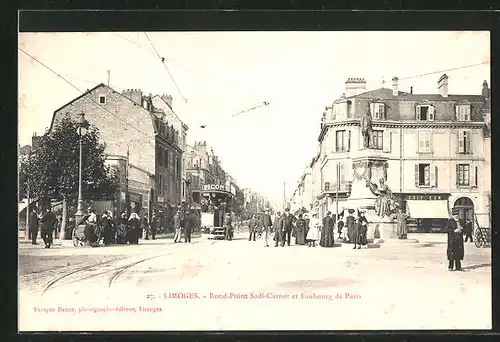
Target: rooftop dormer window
[(462, 112), (425, 112), (378, 110)]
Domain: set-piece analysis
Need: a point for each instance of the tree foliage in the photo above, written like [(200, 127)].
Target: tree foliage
[(53, 166)]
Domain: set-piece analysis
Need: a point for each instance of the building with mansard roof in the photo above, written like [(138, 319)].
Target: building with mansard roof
[(433, 151)]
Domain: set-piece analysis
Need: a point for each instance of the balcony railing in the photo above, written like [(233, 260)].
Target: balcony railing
[(332, 186)]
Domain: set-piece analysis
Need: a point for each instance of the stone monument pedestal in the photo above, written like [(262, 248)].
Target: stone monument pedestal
[(362, 198)]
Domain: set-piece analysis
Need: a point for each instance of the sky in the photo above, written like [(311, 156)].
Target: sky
[(218, 74)]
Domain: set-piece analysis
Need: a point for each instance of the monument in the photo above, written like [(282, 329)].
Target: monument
[(369, 191)]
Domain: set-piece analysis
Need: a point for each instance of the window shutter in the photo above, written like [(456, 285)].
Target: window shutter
[(429, 142), (421, 142), (457, 108), (432, 176), (348, 141), (436, 182), (468, 137), (416, 175), (461, 146), (342, 173), (372, 109), (386, 143), (418, 112), (382, 112), (333, 139), (457, 174), (473, 176), (431, 113)]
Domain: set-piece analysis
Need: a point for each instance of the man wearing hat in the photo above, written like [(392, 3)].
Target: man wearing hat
[(278, 236), (455, 250), (287, 222), (266, 223)]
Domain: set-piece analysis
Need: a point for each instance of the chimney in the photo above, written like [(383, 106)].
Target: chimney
[(354, 86), (411, 90), (134, 95), (168, 99), (484, 91), (395, 85), (443, 85)]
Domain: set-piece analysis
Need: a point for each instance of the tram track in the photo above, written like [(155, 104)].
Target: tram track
[(118, 271)]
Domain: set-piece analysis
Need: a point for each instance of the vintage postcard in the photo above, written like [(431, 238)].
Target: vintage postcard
[(173, 181)]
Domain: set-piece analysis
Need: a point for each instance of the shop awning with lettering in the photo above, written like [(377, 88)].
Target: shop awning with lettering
[(437, 209)]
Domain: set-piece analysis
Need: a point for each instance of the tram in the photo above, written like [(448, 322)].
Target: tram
[(216, 202)]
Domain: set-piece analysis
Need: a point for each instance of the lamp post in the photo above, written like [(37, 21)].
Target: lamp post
[(82, 130)]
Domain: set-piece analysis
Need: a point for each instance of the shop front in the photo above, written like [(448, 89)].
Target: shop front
[(428, 213)]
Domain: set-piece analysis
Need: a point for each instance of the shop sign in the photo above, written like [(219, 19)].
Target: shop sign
[(209, 187), (135, 198)]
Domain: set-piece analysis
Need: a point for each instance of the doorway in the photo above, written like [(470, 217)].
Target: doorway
[(465, 209)]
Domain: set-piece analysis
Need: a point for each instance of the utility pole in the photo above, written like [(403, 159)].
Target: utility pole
[(26, 233), (284, 196), (337, 192), (109, 75), (126, 179)]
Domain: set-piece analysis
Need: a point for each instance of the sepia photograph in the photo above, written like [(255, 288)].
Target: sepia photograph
[(254, 180)]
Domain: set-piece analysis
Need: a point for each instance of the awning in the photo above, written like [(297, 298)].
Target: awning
[(428, 209)]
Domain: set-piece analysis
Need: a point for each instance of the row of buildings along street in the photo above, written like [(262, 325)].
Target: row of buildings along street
[(146, 146), (432, 150)]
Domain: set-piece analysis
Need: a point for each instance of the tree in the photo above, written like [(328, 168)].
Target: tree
[(55, 163)]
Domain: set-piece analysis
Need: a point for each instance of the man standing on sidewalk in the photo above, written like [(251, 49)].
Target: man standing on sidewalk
[(266, 225), (33, 226), (287, 222), (468, 230), (455, 250)]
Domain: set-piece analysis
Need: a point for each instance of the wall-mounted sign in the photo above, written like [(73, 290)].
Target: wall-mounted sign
[(208, 187)]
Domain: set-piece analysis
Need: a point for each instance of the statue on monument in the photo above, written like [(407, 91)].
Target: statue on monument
[(366, 129), (384, 204)]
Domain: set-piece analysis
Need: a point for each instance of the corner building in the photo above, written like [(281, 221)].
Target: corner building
[(431, 149)]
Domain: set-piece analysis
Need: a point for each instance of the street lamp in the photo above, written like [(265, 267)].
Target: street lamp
[(81, 130)]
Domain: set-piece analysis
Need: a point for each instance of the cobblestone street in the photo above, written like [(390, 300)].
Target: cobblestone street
[(222, 285)]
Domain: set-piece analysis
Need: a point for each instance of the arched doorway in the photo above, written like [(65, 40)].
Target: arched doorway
[(465, 209)]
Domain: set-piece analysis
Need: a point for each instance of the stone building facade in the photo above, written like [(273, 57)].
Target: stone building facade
[(140, 143), (432, 150)]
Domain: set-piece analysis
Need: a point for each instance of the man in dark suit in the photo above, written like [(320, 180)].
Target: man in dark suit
[(287, 222), (48, 222), (455, 250), (33, 222), (266, 223)]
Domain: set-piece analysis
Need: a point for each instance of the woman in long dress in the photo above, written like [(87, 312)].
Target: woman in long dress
[(327, 232), (300, 230), (313, 232), (133, 228)]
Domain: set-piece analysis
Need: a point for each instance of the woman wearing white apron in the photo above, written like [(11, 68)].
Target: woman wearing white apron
[(313, 234)]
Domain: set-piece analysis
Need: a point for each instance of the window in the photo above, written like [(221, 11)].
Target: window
[(102, 99), (378, 140), (377, 110), (462, 112), (425, 113), (179, 165), (424, 142), (426, 175), (342, 141), (464, 142), (463, 174), (166, 158)]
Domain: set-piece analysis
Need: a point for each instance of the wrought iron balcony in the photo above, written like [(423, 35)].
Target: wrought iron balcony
[(344, 186)]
